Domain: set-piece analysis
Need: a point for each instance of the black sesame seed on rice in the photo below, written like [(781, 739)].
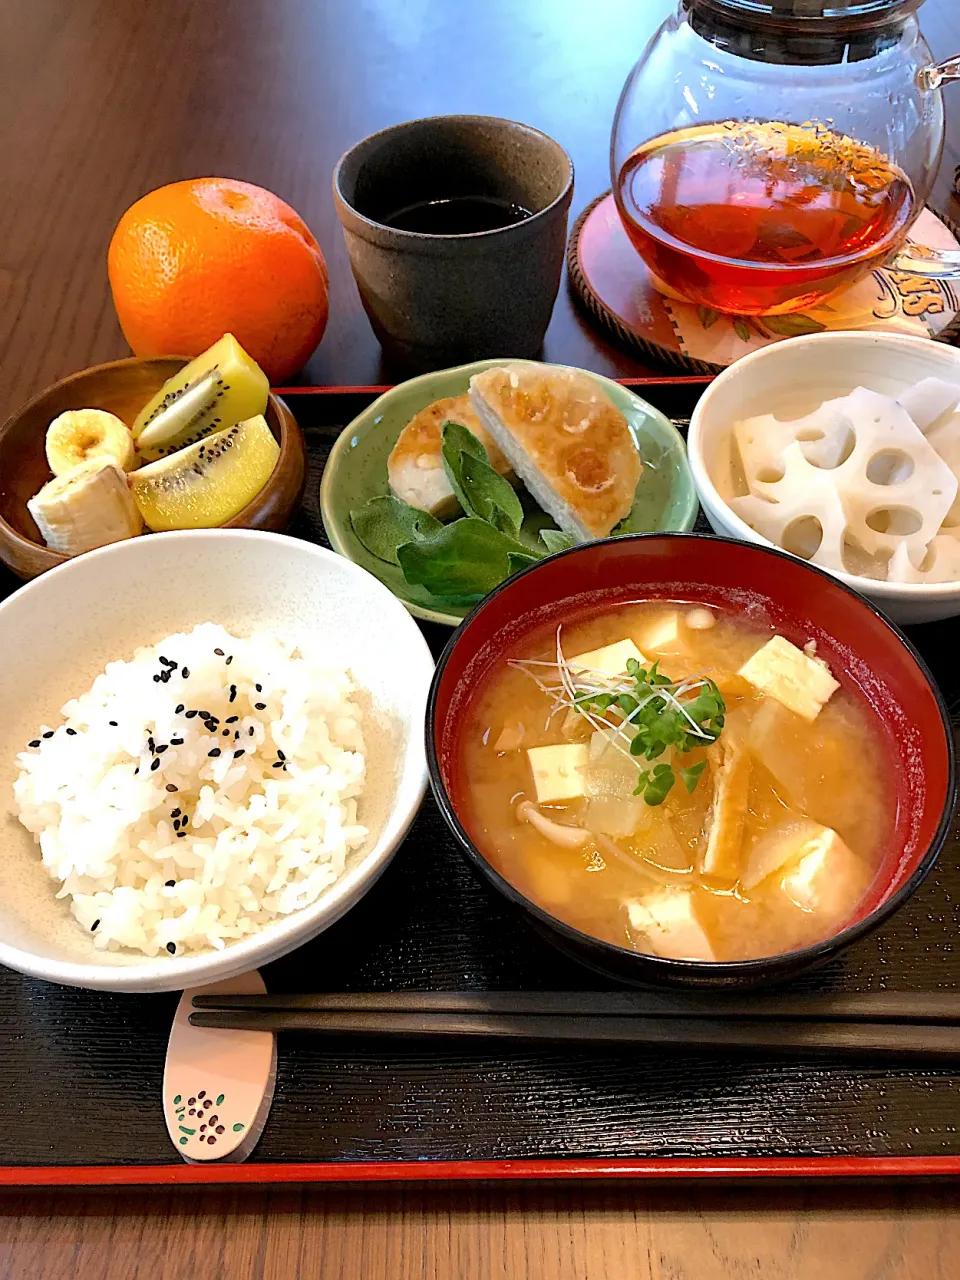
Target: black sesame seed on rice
[(176, 742), (280, 755), (155, 766), (250, 731), (48, 734), (278, 764), (233, 692), (204, 715), (34, 743), (72, 733), (162, 748), (191, 715), (171, 788), (172, 948), (95, 925), (214, 753), (185, 672), (226, 733), (231, 720), (260, 706), (113, 724), (229, 660), (218, 652), (179, 709), (175, 814), (238, 754), (156, 679), (150, 743), (259, 688), (170, 884)]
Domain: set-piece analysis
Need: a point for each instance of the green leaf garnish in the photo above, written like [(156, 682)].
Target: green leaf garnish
[(555, 540), (462, 561), (652, 714), (457, 443), (655, 784), (385, 524), (466, 559), (489, 495), (691, 776), (520, 560)]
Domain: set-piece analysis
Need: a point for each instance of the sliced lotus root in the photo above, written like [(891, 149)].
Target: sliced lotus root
[(892, 489), (940, 562), (825, 438), (928, 400)]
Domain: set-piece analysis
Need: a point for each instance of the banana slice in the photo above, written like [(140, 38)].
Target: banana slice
[(81, 434), (89, 507)]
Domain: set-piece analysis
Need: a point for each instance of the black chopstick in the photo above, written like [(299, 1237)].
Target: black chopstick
[(931, 1042), (879, 1006)]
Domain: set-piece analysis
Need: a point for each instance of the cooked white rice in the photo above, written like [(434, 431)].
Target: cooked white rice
[(198, 791)]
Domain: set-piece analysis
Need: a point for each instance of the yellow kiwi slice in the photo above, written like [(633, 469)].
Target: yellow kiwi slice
[(219, 388), (209, 482)]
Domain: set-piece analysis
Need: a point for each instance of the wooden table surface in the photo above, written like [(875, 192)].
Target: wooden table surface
[(105, 99)]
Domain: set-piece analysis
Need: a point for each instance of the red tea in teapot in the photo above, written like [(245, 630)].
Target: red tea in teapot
[(755, 219)]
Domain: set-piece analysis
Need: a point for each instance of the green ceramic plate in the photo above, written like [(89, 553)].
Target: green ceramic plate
[(357, 471)]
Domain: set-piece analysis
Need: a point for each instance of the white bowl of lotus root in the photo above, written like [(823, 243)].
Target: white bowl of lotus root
[(843, 449)]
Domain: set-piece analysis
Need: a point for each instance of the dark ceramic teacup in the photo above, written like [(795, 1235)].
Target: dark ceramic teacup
[(444, 299)]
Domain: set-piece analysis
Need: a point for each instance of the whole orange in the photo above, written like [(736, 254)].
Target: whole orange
[(194, 260)]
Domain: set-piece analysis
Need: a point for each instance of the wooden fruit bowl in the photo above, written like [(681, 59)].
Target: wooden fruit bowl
[(122, 387)]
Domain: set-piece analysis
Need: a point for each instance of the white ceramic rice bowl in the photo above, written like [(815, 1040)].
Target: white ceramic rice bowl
[(59, 631), (790, 379)]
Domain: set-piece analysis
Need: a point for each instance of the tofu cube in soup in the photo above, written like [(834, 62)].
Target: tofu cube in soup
[(669, 924), (663, 634), (782, 671), (611, 660), (558, 771)]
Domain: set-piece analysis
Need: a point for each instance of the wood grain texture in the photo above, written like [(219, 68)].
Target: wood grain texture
[(105, 99), (486, 1233)]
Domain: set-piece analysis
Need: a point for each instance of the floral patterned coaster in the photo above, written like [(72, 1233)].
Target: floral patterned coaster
[(218, 1085), (611, 281)]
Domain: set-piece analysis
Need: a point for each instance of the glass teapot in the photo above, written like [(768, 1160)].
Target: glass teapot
[(768, 153)]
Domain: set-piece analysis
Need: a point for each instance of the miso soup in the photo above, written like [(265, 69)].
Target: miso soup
[(678, 780)]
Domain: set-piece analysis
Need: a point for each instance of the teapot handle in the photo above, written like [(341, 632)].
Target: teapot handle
[(939, 73)]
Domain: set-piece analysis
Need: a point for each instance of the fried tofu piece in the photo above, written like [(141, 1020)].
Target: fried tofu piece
[(730, 766), (415, 468)]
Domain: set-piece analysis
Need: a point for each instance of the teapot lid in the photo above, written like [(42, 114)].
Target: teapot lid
[(832, 17)]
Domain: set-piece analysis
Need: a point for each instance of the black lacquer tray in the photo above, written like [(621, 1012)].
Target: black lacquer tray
[(81, 1071)]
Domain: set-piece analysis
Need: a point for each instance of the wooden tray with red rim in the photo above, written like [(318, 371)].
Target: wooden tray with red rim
[(81, 1071)]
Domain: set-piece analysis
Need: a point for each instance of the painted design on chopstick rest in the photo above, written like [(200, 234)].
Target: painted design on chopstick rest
[(198, 1116)]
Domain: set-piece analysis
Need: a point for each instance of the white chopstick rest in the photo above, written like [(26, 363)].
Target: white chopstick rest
[(218, 1085)]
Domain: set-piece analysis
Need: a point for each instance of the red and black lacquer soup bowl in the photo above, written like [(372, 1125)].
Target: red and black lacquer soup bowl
[(866, 653)]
